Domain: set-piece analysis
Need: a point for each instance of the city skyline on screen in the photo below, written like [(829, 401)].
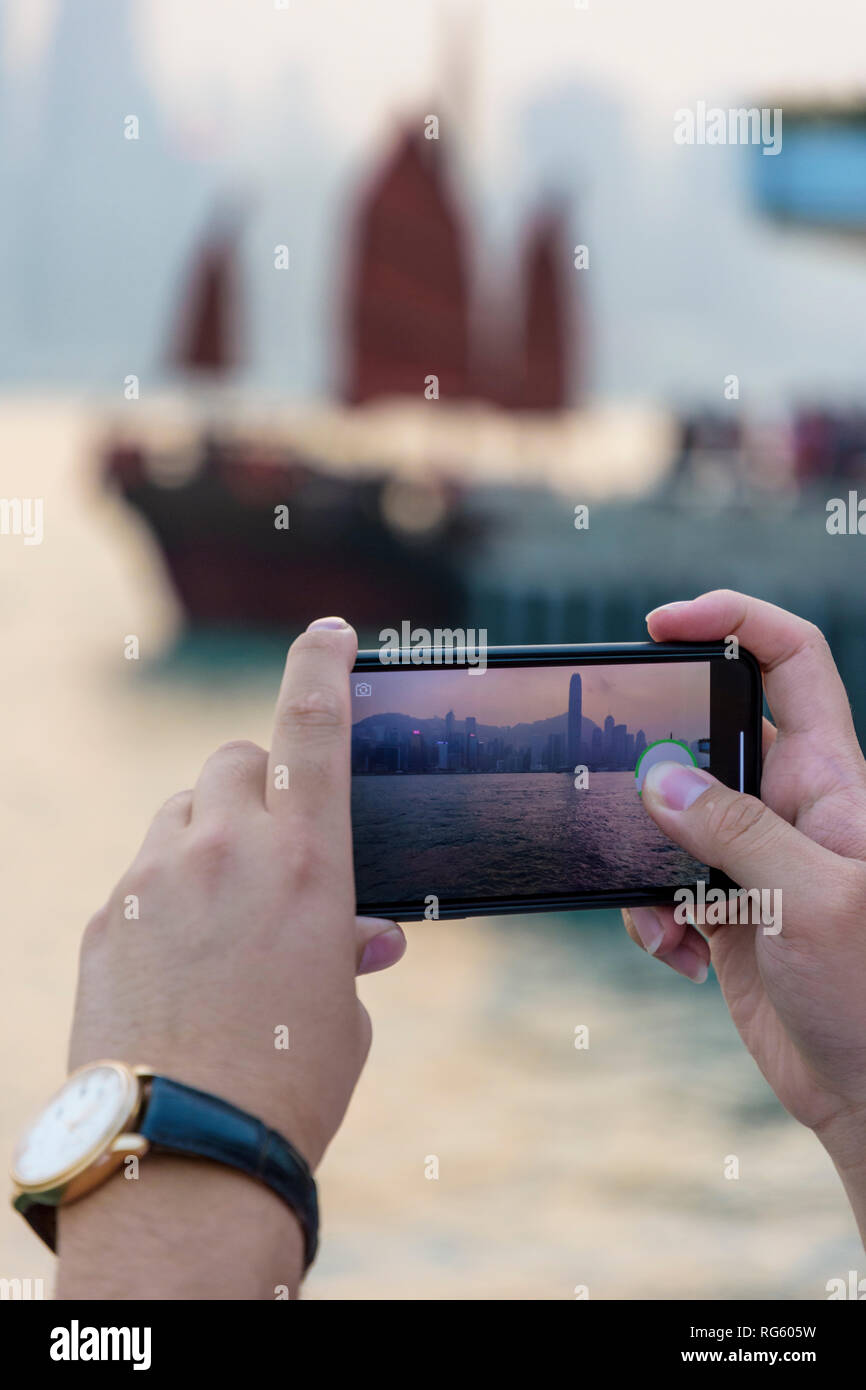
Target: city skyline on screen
[(659, 698)]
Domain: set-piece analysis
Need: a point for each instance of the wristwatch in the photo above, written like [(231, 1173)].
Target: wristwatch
[(107, 1111)]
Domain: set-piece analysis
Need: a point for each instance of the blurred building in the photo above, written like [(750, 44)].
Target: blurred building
[(819, 178)]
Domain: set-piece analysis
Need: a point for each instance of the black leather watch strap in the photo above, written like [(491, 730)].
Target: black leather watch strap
[(40, 1217), (183, 1120)]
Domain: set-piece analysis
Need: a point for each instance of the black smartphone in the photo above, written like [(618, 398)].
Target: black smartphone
[(514, 785)]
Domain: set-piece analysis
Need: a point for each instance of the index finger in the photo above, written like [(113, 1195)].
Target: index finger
[(308, 764), (804, 690)]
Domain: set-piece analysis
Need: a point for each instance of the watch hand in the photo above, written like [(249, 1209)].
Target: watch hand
[(81, 1118)]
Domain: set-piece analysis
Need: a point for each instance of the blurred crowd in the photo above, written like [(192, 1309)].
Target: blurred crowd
[(814, 446)]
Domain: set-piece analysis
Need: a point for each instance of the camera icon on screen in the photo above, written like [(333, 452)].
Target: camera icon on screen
[(363, 688)]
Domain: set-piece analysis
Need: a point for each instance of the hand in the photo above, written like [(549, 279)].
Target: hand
[(796, 998), (246, 921)]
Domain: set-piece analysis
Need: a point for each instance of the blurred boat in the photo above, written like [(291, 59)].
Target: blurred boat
[(365, 539), (230, 563), (260, 532)]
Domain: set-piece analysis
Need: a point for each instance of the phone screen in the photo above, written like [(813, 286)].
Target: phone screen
[(519, 785)]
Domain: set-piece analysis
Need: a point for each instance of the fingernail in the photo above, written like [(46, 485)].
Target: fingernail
[(648, 928), (687, 962), (698, 971), (666, 607), (327, 622), (383, 950), (675, 786)]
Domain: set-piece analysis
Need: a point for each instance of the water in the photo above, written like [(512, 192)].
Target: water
[(507, 834)]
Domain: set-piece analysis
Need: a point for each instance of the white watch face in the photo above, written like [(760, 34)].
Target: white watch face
[(85, 1114)]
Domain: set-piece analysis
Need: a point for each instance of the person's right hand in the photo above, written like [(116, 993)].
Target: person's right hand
[(247, 926), (798, 998), (236, 975)]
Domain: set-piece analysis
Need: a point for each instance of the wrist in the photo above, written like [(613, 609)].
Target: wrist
[(844, 1138), (154, 1176), (183, 1229)]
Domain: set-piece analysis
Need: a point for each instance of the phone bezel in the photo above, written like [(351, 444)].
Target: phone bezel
[(610, 653)]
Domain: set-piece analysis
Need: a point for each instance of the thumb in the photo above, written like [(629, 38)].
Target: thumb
[(745, 839), (378, 944)]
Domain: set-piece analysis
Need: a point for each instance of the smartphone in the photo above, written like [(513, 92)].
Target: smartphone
[(515, 786)]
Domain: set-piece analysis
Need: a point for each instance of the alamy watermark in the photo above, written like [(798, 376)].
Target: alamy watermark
[(739, 125), (846, 518), (755, 907), (21, 1290), (853, 1287), (77, 1343), (443, 646), (22, 516)]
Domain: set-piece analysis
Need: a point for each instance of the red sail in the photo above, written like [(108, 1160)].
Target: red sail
[(408, 300), (207, 337), (545, 349)]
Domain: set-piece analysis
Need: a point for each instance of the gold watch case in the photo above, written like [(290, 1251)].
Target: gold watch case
[(105, 1157)]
